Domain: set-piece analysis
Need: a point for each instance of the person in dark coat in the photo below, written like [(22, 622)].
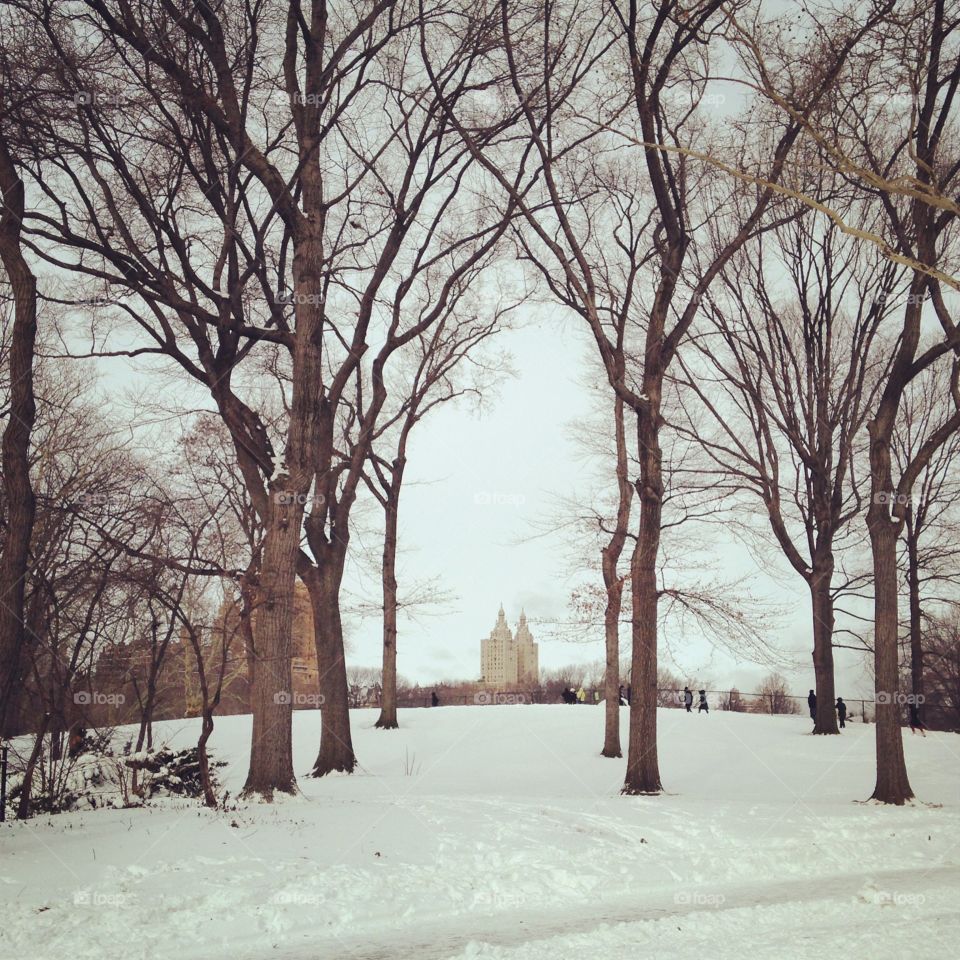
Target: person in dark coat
[(688, 699), (841, 712), (702, 706), (812, 704), (915, 722), (434, 699)]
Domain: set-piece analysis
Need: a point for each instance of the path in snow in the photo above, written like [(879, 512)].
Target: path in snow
[(445, 940)]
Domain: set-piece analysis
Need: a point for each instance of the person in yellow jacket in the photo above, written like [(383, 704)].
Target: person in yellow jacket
[(581, 695)]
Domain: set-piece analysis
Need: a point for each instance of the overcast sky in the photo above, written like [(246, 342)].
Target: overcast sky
[(481, 486)]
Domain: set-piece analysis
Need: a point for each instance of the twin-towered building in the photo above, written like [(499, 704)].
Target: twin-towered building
[(508, 660)]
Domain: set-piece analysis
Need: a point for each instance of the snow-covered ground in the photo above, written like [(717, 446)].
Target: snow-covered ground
[(498, 832)]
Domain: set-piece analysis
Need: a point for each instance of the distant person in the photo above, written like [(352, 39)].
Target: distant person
[(622, 696), (841, 712), (596, 696), (434, 699), (581, 695), (812, 704), (915, 722), (688, 699), (567, 695), (629, 694), (703, 706)]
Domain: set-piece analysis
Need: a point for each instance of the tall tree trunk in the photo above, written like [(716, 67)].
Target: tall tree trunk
[(916, 635), (271, 689), (611, 626), (610, 558), (18, 492), (336, 744), (388, 704), (893, 785), (307, 444), (643, 771), (821, 581)]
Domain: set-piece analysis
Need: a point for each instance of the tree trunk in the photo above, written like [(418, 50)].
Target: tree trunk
[(821, 597), (388, 704), (892, 786), (26, 790), (209, 796), (611, 626), (336, 744), (18, 492), (916, 636), (643, 771), (610, 558), (271, 691)]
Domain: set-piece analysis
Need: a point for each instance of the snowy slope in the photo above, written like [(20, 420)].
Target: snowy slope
[(498, 832)]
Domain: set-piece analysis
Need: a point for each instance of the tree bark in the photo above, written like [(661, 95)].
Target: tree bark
[(893, 785), (388, 681), (336, 744), (610, 557), (643, 771), (271, 689), (916, 635), (821, 597), (18, 492)]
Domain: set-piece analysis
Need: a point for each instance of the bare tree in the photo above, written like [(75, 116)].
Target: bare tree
[(775, 696), (362, 238), (786, 374), (435, 377), (598, 232), (941, 662), (919, 147), (20, 414), (929, 549)]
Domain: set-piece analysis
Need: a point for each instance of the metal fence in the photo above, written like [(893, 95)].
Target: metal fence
[(735, 701)]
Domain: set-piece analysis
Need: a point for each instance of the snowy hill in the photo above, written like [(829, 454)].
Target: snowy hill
[(499, 832)]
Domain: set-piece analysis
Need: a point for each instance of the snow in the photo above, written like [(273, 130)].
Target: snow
[(498, 832)]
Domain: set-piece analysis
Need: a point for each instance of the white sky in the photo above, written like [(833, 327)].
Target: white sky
[(518, 449)]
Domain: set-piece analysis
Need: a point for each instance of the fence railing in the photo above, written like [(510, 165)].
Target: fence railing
[(735, 701)]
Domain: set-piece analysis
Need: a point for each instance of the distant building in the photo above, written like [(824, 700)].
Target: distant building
[(508, 660)]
